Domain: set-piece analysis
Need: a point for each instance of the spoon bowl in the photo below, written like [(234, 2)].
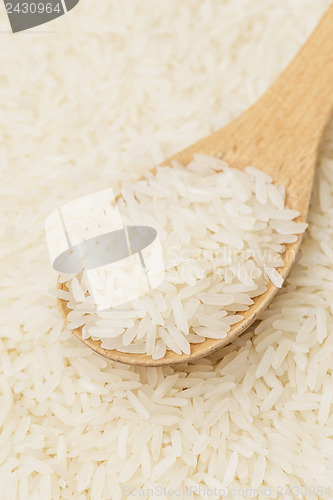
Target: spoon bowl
[(280, 135)]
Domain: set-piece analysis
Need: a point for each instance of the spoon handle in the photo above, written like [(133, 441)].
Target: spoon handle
[(281, 133), (303, 94)]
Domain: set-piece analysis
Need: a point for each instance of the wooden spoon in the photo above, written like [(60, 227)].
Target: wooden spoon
[(279, 135)]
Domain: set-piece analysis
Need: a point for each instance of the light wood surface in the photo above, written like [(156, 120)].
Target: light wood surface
[(279, 135)]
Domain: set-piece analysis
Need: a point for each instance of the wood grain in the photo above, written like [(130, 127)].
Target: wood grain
[(279, 135)]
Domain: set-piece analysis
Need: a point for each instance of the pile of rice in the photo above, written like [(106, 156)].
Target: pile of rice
[(116, 88), (222, 233)]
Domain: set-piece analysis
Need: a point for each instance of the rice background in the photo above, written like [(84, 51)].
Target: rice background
[(115, 88)]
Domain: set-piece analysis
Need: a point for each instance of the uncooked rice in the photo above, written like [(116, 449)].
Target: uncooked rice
[(112, 91), (223, 233)]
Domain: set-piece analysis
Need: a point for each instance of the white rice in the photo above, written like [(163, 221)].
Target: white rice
[(110, 93), (199, 207)]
